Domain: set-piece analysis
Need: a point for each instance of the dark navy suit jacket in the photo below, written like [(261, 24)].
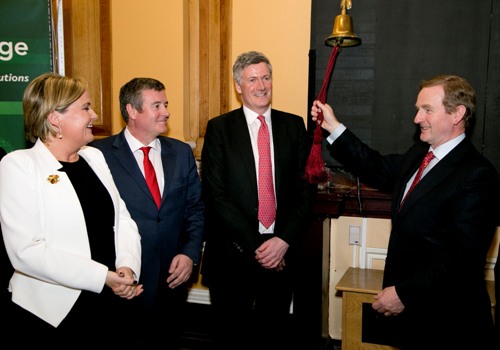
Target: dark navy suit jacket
[(178, 226)]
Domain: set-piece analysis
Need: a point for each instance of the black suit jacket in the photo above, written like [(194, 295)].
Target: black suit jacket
[(439, 238), (6, 267), (230, 188), (178, 226)]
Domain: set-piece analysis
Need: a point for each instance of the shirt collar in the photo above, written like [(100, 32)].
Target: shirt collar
[(135, 144), (441, 151), (251, 116)]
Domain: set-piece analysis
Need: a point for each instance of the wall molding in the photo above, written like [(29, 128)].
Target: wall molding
[(199, 296), (372, 254)]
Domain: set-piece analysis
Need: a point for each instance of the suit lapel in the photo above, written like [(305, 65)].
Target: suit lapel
[(279, 140), (411, 167), (125, 157), (168, 160), (437, 174), (241, 138)]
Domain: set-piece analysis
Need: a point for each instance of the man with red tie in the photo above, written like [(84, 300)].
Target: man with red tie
[(434, 294), (158, 179), (254, 225)]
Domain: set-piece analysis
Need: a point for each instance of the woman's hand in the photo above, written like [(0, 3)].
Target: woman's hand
[(123, 283)]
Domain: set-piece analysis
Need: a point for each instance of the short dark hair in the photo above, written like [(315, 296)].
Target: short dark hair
[(131, 93)]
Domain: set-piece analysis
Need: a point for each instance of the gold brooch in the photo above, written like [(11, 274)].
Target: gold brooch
[(53, 179)]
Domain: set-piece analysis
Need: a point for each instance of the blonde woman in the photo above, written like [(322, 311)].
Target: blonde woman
[(75, 249)]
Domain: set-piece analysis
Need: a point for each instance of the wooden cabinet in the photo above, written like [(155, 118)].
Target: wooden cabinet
[(343, 198), (358, 286)]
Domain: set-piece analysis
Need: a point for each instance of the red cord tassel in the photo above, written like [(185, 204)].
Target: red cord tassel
[(315, 171)]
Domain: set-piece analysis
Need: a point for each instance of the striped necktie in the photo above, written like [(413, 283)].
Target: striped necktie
[(427, 159)]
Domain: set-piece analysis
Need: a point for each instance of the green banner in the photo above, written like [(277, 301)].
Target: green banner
[(25, 53)]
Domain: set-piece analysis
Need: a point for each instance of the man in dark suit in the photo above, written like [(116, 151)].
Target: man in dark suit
[(434, 293), (171, 234), (248, 265)]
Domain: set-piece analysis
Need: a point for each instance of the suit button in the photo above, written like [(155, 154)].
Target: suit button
[(237, 246)]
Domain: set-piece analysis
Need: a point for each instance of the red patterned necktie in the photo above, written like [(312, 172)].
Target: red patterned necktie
[(267, 202), (427, 159), (150, 173)]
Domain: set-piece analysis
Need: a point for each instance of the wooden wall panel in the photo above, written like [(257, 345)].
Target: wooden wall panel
[(209, 69), (87, 50)]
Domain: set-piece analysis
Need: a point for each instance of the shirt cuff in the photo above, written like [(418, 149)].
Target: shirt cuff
[(336, 133)]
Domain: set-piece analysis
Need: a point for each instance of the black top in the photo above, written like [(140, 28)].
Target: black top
[(99, 214), (97, 208)]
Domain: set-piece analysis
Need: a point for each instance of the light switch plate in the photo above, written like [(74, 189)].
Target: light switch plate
[(354, 235)]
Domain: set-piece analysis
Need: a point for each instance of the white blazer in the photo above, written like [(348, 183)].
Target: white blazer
[(45, 233)]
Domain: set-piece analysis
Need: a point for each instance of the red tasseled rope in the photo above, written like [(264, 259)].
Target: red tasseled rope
[(315, 167)]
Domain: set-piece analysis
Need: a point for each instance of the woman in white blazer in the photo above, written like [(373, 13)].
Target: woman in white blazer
[(74, 247)]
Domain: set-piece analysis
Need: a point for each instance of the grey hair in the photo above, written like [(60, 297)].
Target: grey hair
[(246, 59)]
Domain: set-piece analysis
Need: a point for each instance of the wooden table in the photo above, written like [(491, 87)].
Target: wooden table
[(358, 286)]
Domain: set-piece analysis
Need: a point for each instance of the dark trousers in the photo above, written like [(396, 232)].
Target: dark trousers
[(160, 323), (252, 310)]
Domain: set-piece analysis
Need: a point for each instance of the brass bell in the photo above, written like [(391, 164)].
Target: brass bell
[(343, 33)]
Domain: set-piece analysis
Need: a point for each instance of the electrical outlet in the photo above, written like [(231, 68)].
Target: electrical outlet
[(354, 235)]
